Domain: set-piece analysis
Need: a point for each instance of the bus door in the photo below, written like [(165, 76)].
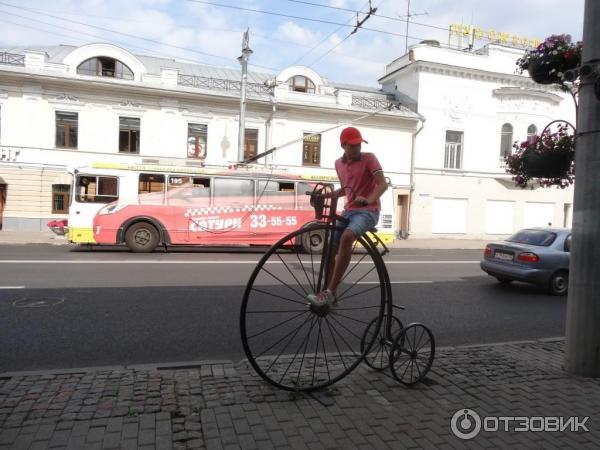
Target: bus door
[(187, 198), (231, 219), (91, 192), (276, 207)]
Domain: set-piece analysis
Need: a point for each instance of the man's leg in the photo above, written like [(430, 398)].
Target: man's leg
[(342, 259)]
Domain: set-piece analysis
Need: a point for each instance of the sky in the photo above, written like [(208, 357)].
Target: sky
[(313, 33)]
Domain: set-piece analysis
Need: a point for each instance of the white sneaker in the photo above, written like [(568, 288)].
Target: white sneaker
[(323, 298)]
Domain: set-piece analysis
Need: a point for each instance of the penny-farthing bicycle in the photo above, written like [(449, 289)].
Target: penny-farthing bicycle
[(301, 347)]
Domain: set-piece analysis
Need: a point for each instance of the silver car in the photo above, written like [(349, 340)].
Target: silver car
[(539, 256)]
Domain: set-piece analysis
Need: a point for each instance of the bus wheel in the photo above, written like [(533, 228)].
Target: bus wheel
[(141, 237), (313, 241)]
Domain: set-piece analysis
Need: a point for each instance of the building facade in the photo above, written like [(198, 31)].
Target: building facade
[(474, 107), (73, 106), (455, 115)]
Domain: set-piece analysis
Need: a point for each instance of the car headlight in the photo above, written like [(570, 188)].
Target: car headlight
[(111, 209)]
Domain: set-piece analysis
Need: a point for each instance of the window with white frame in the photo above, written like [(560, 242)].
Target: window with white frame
[(506, 140), (531, 132), (453, 150), (66, 129), (300, 83), (197, 136), (129, 134)]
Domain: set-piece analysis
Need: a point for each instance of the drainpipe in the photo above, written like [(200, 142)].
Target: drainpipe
[(412, 172)]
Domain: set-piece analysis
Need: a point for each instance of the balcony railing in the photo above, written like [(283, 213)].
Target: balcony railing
[(376, 103), (12, 59), (195, 81)]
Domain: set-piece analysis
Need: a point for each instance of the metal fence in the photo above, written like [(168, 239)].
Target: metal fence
[(223, 85), (12, 59), (376, 103)]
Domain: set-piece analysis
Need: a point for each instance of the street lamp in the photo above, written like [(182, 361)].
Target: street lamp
[(243, 60)]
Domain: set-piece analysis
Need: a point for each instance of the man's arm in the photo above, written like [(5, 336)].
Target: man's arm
[(380, 187)]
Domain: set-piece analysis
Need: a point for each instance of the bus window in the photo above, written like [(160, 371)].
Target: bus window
[(233, 191), (178, 181), (276, 193), (150, 182), (96, 189), (303, 199), (151, 188), (184, 190), (201, 187)]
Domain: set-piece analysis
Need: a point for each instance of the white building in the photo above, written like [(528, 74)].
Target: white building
[(99, 103), (441, 148), (474, 107)]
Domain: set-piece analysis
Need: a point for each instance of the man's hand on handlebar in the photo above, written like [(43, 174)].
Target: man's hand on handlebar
[(360, 201)]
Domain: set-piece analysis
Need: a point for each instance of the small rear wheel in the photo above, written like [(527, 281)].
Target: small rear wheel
[(412, 354), (378, 357), (141, 237)]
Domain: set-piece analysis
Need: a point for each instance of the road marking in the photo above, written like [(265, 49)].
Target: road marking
[(48, 261), (12, 287)]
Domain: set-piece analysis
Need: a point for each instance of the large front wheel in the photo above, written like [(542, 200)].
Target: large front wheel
[(299, 347)]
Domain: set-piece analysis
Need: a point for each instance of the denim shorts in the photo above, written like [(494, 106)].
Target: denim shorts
[(361, 221)]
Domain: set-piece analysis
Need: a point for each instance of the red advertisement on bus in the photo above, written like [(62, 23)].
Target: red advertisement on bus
[(207, 210)]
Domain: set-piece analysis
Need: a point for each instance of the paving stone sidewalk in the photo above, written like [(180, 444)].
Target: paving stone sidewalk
[(217, 405)]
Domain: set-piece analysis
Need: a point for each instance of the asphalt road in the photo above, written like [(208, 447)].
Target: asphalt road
[(63, 307)]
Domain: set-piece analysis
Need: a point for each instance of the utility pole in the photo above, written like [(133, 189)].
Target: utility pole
[(583, 306), (243, 60)]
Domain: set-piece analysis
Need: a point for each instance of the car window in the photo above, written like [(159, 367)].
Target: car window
[(540, 238), (568, 244)]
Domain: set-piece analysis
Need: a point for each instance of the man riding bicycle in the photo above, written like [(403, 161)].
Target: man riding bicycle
[(363, 182)]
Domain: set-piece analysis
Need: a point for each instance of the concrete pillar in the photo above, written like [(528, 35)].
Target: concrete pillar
[(583, 307)]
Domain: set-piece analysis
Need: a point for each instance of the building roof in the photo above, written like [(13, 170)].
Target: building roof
[(372, 96)]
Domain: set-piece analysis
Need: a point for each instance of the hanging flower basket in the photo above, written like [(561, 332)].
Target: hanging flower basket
[(547, 63), (549, 164), (548, 158)]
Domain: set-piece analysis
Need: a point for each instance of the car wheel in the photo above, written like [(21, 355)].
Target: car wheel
[(504, 280), (559, 283), (141, 237)]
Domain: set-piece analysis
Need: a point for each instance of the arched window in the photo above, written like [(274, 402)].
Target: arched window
[(300, 83), (103, 66), (531, 131), (506, 138)]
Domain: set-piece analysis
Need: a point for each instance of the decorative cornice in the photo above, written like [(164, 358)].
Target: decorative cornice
[(471, 73), (525, 92)]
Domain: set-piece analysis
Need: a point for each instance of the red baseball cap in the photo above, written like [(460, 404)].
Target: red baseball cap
[(351, 136)]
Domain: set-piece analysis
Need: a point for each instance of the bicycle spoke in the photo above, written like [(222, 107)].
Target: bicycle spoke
[(420, 337), (358, 293), (345, 328), (336, 313), (292, 273), (277, 326), (304, 354), (284, 283), (296, 354), (312, 285), (278, 296), (281, 352), (337, 347), (357, 282), (276, 311)]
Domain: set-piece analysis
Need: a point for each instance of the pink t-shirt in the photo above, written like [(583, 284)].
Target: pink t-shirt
[(358, 178)]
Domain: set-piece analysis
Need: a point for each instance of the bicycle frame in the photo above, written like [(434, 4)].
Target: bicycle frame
[(328, 211)]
